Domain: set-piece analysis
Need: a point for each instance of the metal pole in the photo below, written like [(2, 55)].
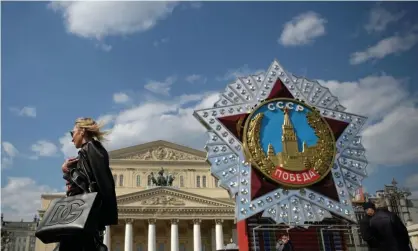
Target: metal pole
[(323, 241), (254, 243)]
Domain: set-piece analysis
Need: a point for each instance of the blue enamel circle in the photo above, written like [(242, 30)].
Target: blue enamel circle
[(271, 125)]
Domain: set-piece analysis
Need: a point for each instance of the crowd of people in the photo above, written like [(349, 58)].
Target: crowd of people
[(383, 230)]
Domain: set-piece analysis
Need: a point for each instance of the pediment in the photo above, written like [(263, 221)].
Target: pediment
[(169, 197), (158, 151)]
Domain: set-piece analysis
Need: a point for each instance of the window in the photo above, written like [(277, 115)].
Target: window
[(198, 181), (161, 247), (149, 180), (181, 181), (121, 180), (138, 180), (216, 182), (182, 247), (115, 178), (203, 181)]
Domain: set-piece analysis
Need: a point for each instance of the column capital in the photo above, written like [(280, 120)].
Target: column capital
[(219, 221), (174, 221), (152, 221), (197, 221), (129, 221)]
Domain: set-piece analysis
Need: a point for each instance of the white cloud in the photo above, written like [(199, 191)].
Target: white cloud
[(243, 71), (44, 148), (104, 46), (389, 138), (67, 146), (161, 41), (412, 181), (391, 45), (106, 119), (380, 18), (196, 5), (26, 111), (9, 149), (162, 88), (170, 120), (195, 78), (93, 19), (414, 195), (21, 198), (120, 98), (303, 29), (9, 153)]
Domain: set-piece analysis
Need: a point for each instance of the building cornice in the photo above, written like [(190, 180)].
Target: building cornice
[(158, 163), (132, 197)]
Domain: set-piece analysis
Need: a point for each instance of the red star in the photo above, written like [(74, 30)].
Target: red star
[(261, 185)]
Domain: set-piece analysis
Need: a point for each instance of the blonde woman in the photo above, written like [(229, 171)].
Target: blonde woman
[(95, 176)]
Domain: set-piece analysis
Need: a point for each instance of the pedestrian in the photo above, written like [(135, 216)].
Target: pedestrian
[(365, 230), (284, 244), (90, 169), (390, 232)]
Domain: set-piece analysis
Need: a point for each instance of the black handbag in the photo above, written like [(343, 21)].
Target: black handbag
[(70, 216)]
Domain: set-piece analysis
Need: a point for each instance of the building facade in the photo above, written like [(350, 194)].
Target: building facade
[(194, 213), (18, 235), (396, 200)]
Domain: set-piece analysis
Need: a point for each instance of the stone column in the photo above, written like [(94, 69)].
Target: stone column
[(219, 235), (128, 235), (152, 242), (174, 235), (197, 240), (107, 239)]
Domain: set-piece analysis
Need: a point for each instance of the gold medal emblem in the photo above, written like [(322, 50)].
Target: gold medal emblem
[(298, 152)]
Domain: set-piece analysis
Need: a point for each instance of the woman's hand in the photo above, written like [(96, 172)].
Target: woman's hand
[(68, 163)]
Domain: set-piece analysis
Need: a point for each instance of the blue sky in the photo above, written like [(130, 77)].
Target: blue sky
[(145, 66)]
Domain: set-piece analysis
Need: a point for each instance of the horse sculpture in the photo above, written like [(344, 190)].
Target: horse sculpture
[(162, 180)]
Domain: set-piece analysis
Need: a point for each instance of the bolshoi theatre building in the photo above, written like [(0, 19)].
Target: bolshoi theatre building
[(192, 213)]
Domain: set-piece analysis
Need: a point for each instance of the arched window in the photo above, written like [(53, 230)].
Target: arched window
[(204, 181), (115, 179), (181, 181), (149, 182), (198, 181), (216, 182), (138, 180), (121, 180)]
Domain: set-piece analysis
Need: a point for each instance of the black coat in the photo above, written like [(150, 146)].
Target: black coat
[(96, 160), (286, 247), (367, 234), (390, 232), (93, 161)]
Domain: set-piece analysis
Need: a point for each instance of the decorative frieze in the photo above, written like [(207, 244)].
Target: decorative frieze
[(163, 200), (162, 153)]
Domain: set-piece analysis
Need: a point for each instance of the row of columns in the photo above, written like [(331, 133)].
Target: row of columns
[(152, 245)]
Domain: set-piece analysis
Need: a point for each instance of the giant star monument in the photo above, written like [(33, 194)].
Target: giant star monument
[(322, 184)]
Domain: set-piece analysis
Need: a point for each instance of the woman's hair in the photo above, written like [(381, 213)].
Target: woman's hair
[(92, 128)]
